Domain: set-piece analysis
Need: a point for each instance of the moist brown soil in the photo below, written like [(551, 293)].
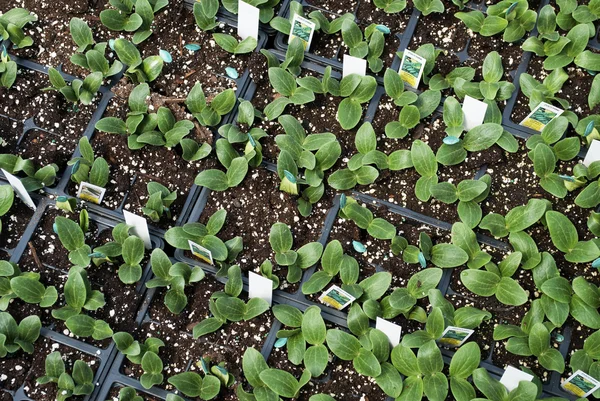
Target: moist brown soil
[(14, 224), (46, 148), (579, 82), (335, 6), (514, 183), (182, 352), (47, 392), (5, 396), (398, 186), (10, 132), (49, 109), (443, 30), (122, 301), (253, 207)]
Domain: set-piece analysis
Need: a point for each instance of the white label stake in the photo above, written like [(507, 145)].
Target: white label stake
[(513, 376), (19, 189), (260, 287), (354, 65), (248, 20), (593, 153), (473, 112), (391, 330), (140, 227)]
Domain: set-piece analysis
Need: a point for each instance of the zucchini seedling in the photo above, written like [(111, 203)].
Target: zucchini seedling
[(79, 382), (132, 16), (12, 23), (91, 55), (35, 178), (282, 241), (25, 286), (160, 199), (77, 91), (88, 167), (144, 354), (8, 69), (14, 337)]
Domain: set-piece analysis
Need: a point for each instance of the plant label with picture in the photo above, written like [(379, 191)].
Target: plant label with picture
[(19, 188), (90, 192), (455, 336), (336, 298), (354, 65), (201, 252), (140, 227), (541, 116), (391, 330), (302, 29), (513, 376), (581, 384), (411, 68), (260, 287), (248, 19), (473, 112), (593, 153)]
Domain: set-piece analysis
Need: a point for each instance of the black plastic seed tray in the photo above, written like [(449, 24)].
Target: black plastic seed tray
[(102, 223), (30, 125)]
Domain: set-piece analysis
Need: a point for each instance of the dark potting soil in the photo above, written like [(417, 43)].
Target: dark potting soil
[(14, 224), (21, 101), (510, 54), (443, 30), (10, 132), (334, 380), (5, 396), (46, 148), (579, 82), (182, 352), (253, 207), (514, 183), (335, 6), (47, 392), (122, 300), (4, 255)]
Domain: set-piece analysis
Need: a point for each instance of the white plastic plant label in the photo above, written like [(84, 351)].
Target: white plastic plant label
[(581, 384), (302, 29), (248, 20), (391, 330), (411, 68), (593, 153), (513, 376), (354, 65), (19, 188), (90, 192), (336, 298), (541, 116), (140, 227), (260, 287), (473, 112), (201, 252), (455, 336)]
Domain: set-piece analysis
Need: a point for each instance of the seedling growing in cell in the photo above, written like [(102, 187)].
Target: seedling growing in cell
[(174, 276), (370, 46), (12, 23), (79, 382), (78, 91), (159, 201), (206, 236), (138, 70), (205, 385), (545, 91), (228, 307), (282, 241), (25, 286), (88, 167), (90, 55), (35, 178), (132, 16), (232, 45), (14, 337), (144, 354), (78, 296)]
